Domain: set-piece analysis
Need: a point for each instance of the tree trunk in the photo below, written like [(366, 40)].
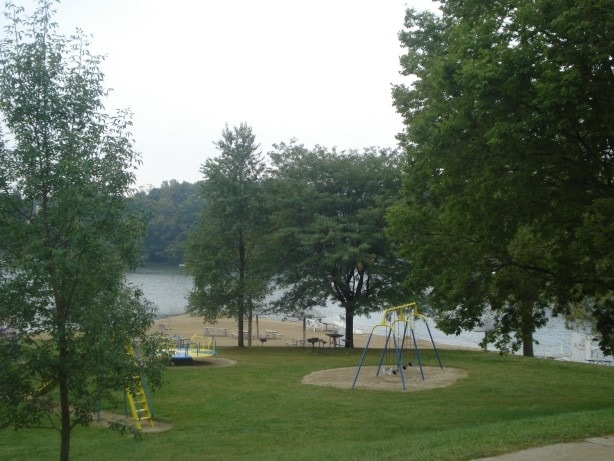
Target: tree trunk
[(63, 377), (250, 315), (349, 327), (526, 325), (527, 344), (64, 395), (240, 327), (65, 416), (242, 265)]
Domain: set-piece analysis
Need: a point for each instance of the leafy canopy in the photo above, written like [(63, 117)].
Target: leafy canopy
[(327, 211), (172, 212), (509, 186)]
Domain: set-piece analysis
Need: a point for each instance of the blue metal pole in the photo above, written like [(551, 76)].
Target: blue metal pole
[(413, 335), (433, 343), (362, 359), (400, 368), (381, 359)]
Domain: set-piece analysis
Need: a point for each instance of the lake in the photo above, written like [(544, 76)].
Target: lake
[(167, 287)]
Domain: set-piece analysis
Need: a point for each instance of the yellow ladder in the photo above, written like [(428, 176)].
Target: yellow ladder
[(137, 400), (139, 406)]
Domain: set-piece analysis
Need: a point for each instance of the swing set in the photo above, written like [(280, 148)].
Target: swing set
[(399, 323)]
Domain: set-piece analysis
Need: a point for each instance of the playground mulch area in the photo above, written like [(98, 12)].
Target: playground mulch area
[(434, 377), (106, 418)]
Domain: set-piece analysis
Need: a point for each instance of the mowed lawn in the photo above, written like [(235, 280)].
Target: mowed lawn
[(258, 409)]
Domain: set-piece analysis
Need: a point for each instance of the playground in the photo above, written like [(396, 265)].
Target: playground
[(268, 402), (260, 409), (400, 365)]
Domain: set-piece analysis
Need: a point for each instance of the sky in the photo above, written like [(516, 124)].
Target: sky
[(319, 71)]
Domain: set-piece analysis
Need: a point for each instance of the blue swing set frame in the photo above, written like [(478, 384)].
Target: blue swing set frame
[(392, 319)]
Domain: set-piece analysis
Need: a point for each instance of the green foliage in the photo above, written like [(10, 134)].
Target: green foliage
[(327, 211), (225, 250), (65, 169), (509, 184), (125, 429), (173, 211), (314, 227)]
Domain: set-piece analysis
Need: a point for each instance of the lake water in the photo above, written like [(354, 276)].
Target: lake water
[(168, 288)]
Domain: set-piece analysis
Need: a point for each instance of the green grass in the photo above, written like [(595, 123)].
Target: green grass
[(259, 410)]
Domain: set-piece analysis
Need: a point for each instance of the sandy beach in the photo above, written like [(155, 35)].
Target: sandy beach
[(278, 333)]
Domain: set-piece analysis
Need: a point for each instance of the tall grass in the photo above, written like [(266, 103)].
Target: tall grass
[(260, 410)]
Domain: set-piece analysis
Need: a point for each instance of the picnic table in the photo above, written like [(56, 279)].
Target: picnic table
[(335, 339), (212, 331), (313, 341), (272, 334)]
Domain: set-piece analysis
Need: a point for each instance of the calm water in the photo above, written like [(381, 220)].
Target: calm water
[(167, 287)]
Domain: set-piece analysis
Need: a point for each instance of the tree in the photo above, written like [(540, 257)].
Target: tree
[(173, 210), (224, 252), (329, 243), (65, 170), (509, 140)]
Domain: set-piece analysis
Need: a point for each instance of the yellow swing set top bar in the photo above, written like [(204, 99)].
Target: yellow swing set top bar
[(402, 313)]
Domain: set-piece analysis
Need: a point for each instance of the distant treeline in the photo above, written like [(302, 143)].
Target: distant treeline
[(172, 211)]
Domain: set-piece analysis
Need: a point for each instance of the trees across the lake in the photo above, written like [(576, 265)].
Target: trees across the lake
[(172, 211)]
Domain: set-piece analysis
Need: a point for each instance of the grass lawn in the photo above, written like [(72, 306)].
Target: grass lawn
[(259, 410)]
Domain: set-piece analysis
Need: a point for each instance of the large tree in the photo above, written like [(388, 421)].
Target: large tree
[(66, 241), (224, 251), (509, 198), (327, 212)]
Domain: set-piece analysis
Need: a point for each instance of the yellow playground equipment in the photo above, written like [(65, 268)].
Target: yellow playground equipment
[(185, 349), (399, 323), (136, 398)]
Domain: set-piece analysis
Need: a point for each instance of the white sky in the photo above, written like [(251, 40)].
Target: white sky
[(319, 71)]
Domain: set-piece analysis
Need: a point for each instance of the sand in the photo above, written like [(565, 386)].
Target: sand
[(387, 380), (278, 333)]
